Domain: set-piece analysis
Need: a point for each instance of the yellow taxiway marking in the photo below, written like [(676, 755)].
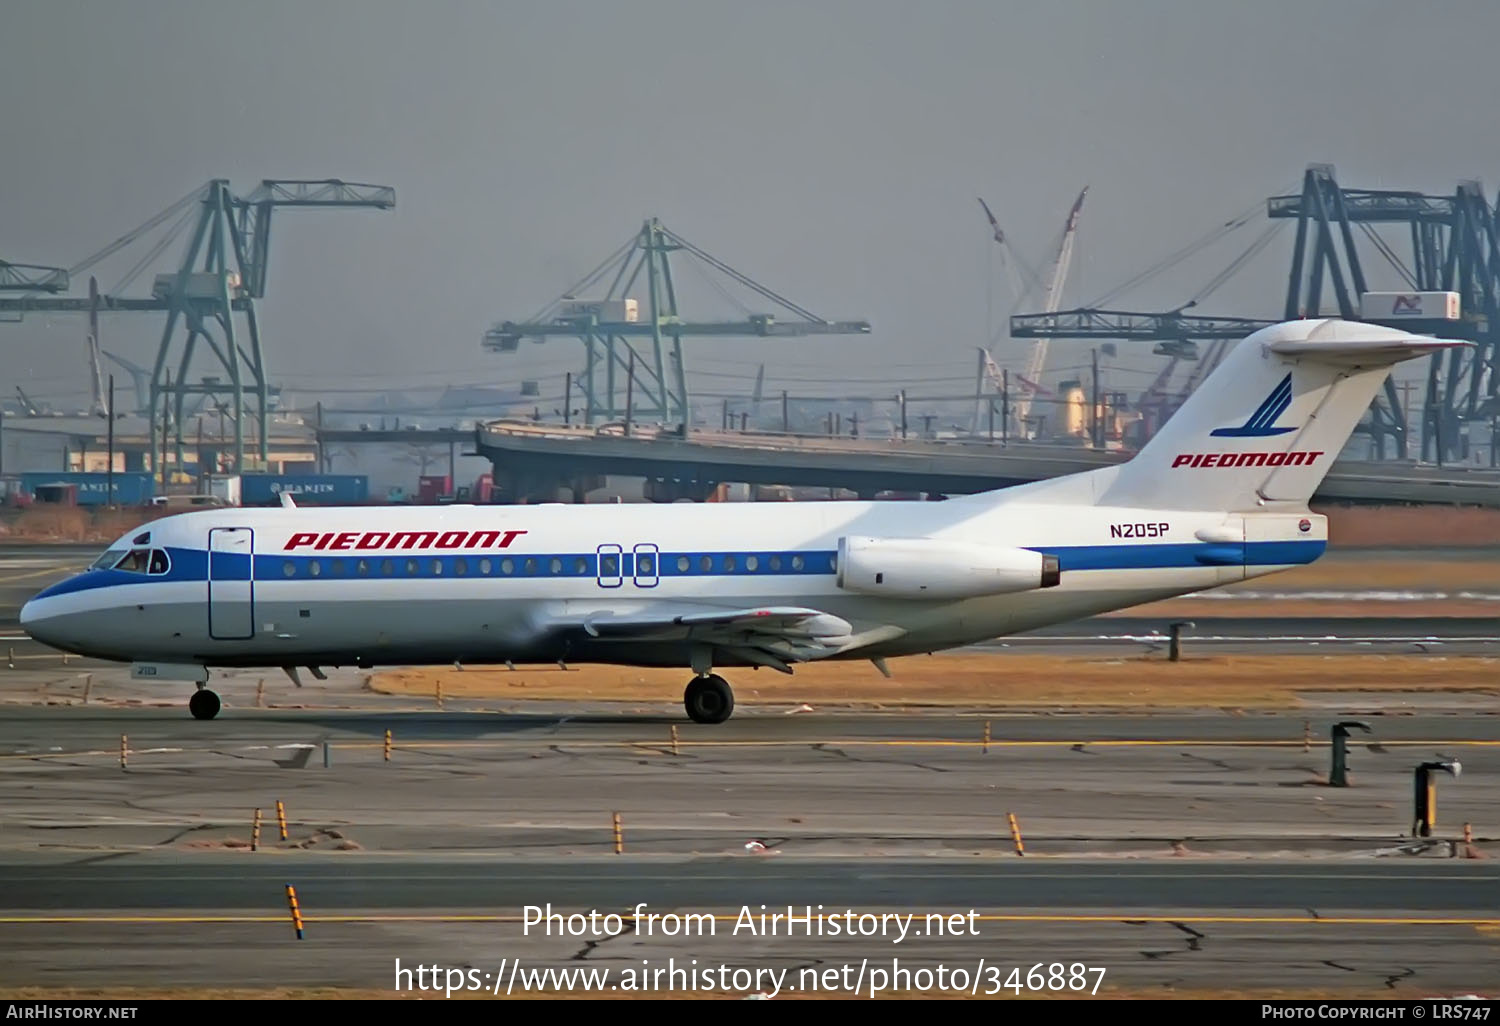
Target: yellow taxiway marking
[(896, 743), (626, 916), (51, 571), (900, 743)]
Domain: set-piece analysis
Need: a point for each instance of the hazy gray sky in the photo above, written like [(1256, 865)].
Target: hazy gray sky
[(832, 150)]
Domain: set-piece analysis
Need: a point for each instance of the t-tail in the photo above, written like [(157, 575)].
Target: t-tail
[(1264, 428)]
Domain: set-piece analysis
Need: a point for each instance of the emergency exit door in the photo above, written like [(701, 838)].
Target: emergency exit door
[(231, 583)]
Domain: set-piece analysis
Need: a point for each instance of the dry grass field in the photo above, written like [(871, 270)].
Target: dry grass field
[(987, 679)]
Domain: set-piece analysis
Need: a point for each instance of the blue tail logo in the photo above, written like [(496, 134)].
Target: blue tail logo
[(1260, 423)]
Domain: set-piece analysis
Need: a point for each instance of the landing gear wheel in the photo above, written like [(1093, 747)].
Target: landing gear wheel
[(204, 705), (708, 699)]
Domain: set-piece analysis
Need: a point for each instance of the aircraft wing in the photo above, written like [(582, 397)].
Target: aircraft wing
[(768, 635)]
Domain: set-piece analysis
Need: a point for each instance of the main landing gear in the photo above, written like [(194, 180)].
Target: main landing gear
[(204, 705), (708, 699)]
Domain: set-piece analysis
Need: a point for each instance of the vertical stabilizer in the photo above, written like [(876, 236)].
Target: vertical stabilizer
[(1265, 426)]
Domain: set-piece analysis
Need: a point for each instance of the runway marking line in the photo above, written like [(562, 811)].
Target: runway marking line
[(1481, 922), (407, 877), (890, 743), (810, 742)]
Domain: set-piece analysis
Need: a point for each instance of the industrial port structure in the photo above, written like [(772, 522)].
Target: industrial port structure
[(210, 299), (627, 409), (1447, 244)]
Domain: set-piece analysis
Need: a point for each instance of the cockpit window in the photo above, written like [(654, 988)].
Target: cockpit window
[(144, 538), (108, 560), (135, 561), (138, 561)]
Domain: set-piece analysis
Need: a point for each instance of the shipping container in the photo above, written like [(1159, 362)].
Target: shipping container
[(1404, 306), (432, 488), (91, 488), (606, 311), (199, 285), (223, 486), (305, 489)]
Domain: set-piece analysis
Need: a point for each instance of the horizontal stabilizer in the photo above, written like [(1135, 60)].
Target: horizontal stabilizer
[(1366, 350)]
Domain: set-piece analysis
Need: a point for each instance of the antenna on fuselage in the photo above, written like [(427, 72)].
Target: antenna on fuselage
[(286, 501)]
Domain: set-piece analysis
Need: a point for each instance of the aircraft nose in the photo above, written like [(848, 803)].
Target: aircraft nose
[(39, 618), (33, 615)]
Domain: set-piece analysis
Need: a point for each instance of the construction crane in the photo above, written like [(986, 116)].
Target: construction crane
[(221, 274), (140, 379), (1038, 359), (655, 381), (1174, 333)]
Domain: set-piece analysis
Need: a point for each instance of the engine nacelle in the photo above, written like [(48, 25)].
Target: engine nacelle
[(927, 568)]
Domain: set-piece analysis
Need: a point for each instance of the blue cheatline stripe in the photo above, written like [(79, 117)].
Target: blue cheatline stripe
[(1154, 557), (192, 564)]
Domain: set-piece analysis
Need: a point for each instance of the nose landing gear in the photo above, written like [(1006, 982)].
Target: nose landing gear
[(204, 705)]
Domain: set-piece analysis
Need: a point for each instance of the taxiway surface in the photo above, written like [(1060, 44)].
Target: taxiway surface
[(1178, 850)]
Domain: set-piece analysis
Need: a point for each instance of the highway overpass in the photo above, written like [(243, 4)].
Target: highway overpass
[(533, 460)]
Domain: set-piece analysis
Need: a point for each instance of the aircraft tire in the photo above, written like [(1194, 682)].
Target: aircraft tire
[(708, 699), (204, 705)]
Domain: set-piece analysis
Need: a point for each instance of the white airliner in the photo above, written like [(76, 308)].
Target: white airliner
[(1219, 495)]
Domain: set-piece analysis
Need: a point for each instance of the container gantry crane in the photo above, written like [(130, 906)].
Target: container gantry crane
[(654, 382), (221, 275)]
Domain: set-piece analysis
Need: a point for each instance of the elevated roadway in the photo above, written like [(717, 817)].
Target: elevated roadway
[(528, 456)]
